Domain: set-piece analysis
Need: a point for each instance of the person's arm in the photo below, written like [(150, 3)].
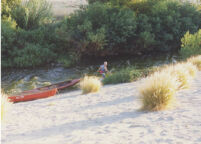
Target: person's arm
[(106, 70)]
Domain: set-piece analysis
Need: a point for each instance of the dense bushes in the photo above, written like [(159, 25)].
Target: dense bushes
[(7, 6), (102, 28), (8, 39), (33, 55), (113, 27), (31, 14), (22, 48), (121, 76), (99, 29), (28, 41), (191, 44)]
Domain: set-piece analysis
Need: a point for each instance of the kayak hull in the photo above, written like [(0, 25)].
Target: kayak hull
[(32, 95), (42, 92), (60, 85)]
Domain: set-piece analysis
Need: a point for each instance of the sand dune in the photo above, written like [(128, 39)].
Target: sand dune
[(108, 117), (65, 7)]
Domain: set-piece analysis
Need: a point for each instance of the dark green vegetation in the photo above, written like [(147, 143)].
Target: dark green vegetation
[(191, 44), (127, 74), (30, 36)]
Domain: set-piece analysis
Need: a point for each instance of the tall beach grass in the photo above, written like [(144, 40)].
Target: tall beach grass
[(90, 84), (196, 60), (5, 106), (157, 91), (191, 69), (181, 71)]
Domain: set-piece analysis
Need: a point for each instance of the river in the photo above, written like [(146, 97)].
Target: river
[(17, 80)]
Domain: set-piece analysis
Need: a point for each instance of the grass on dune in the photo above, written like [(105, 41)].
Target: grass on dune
[(191, 69), (196, 60), (5, 106), (90, 84), (181, 73), (157, 91)]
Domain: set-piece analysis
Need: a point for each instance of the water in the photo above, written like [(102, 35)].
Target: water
[(17, 80)]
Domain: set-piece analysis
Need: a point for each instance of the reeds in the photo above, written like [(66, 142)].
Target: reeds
[(157, 91), (5, 106), (196, 60), (90, 84)]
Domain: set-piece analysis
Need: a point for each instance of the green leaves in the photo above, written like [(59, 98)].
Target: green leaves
[(32, 14), (191, 44)]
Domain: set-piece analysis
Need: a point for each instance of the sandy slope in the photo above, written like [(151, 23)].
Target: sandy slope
[(65, 7), (108, 117)]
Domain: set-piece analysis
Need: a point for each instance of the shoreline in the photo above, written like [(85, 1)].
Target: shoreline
[(110, 116)]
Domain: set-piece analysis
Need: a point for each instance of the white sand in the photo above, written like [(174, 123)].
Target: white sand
[(65, 7), (108, 117)]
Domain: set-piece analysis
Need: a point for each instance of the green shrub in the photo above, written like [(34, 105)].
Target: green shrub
[(7, 7), (191, 44), (162, 23), (99, 29), (8, 40), (31, 14), (33, 55), (115, 27), (122, 76), (28, 48)]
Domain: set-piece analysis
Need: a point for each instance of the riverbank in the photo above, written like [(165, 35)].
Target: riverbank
[(110, 116)]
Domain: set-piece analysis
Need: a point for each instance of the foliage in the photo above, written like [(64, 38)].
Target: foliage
[(8, 40), (33, 55), (115, 27), (90, 84), (121, 76), (99, 29), (191, 44), (102, 28), (21, 48), (157, 91), (7, 6), (167, 22), (31, 14)]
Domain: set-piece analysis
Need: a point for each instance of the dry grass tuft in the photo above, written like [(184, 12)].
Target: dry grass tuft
[(157, 91), (90, 84), (196, 60), (192, 69), (5, 106), (182, 74)]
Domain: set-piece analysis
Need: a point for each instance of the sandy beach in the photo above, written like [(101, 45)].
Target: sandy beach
[(65, 7), (111, 116)]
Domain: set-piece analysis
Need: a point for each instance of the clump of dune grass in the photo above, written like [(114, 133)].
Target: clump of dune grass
[(157, 92), (5, 106), (90, 84), (196, 60), (192, 69), (182, 74)]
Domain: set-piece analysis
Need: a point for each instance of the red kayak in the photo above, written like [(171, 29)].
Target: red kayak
[(60, 85), (42, 92), (32, 95)]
